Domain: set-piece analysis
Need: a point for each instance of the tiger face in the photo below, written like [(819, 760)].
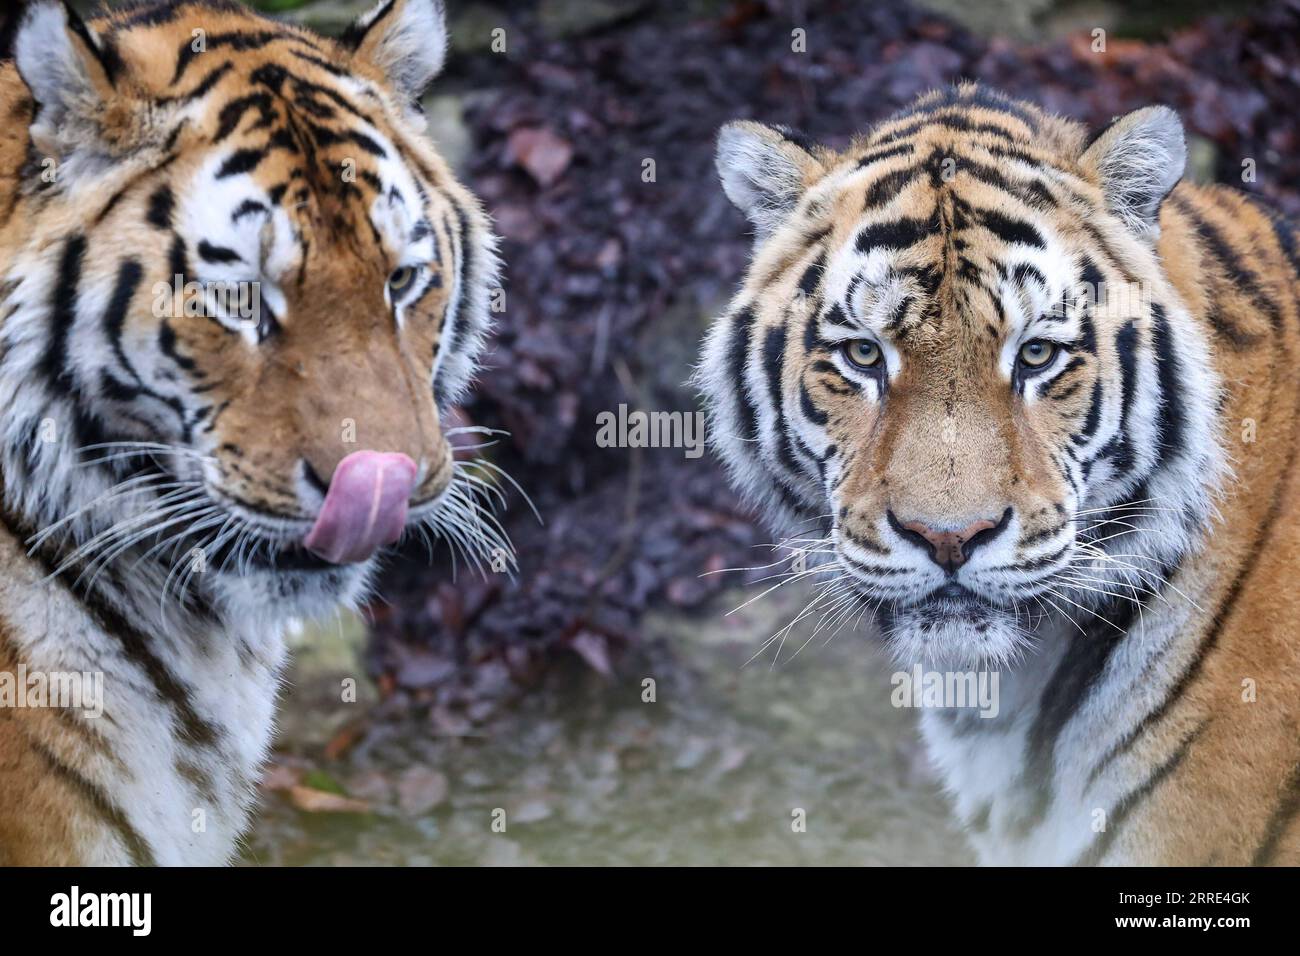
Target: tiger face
[(957, 370), (251, 289)]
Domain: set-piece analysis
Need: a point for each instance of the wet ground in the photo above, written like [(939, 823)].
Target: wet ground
[(582, 770)]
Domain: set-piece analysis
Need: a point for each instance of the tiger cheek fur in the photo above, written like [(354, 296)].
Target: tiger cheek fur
[(983, 369), (230, 322)]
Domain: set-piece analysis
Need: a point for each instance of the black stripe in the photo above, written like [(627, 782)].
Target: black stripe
[(203, 88), (1025, 270), (1118, 449), (1132, 800), (167, 344), (366, 143), (773, 363), (157, 14), (355, 33), (324, 64), (899, 315), (456, 325), (1074, 678), (247, 208), (982, 97), (1237, 272), (1170, 423), (129, 275), (810, 280), (1010, 230), (955, 122), (112, 203), (742, 327), (233, 113), (136, 845), (1095, 282), (241, 161), (238, 42), (161, 205), (286, 140), (193, 728), (218, 254), (897, 233), (63, 313), (1286, 239), (460, 321), (809, 409), (176, 259), (889, 186), (1033, 192), (105, 52), (876, 155), (1287, 809)]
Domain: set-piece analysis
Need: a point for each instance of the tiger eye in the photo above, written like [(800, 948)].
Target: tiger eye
[(1037, 353), (401, 278), (863, 353)]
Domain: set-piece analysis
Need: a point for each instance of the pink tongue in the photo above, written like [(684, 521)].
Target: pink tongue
[(365, 507)]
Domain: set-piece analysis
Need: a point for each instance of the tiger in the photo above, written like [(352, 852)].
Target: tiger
[(1027, 400), (188, 471)]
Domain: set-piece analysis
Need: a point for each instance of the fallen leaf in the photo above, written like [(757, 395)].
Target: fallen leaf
[(321, 801), (342, 742), (541, 152)]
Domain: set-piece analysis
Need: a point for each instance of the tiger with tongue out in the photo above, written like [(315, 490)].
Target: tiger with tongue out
[(176, 486)]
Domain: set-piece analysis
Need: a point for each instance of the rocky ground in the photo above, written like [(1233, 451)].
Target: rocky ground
[(715, 769)]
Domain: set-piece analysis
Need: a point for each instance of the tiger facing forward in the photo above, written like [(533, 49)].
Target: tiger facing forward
[(1041, 400), (181, 474)]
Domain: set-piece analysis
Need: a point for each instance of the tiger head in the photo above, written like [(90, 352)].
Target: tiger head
[(956, 369), (240, 287)]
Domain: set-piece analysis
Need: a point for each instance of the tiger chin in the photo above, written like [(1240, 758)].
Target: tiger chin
[(1000, 374), (238, 289)]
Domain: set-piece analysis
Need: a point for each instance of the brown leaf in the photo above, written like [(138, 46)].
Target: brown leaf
[(541, 152), (321, 801), (342, 742)]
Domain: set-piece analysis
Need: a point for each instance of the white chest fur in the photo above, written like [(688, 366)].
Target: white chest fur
[(1019, 811)]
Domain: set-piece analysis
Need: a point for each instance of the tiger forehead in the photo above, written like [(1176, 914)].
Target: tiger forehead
[(314, 135), (938, 280), (927, 235)]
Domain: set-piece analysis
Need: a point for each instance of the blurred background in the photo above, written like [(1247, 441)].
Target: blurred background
[(603, 700)]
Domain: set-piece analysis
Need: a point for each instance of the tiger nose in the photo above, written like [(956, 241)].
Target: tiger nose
[(950, 549)]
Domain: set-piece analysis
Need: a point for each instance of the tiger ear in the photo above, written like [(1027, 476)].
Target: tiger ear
[(405, 39), (764, 171), (70, 72), (1138, 160)]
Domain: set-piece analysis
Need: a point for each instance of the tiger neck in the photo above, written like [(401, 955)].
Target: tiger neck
[(1030, 781)]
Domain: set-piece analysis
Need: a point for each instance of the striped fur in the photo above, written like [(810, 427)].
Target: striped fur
[(1130, 583), (160, 467)]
